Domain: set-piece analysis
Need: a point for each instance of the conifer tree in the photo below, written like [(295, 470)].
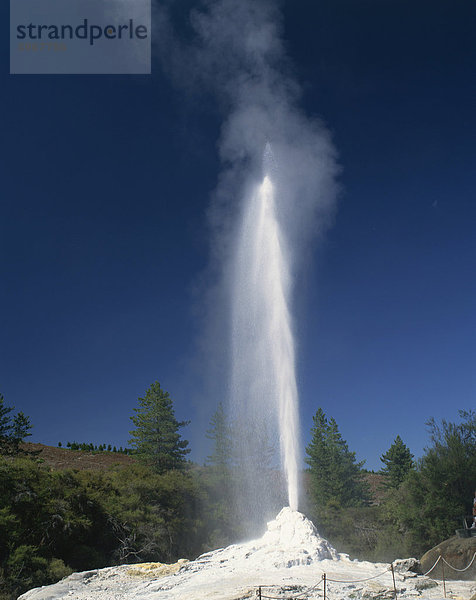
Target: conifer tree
[(12, 431), (156, 439), (220, 434), (21, 426), (5, 427), (398, 461), (217, 480), (335, 475), (5, 419)]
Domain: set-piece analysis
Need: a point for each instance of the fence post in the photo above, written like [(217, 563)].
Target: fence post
[(259, 592), (443, 574), (324, 580), (393, 577)]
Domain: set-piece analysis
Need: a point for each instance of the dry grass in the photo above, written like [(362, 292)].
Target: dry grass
[(63, 458)]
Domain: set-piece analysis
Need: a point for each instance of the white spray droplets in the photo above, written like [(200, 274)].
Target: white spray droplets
[(264, 380)]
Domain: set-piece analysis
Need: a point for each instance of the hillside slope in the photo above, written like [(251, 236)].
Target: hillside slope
[(63, 458)]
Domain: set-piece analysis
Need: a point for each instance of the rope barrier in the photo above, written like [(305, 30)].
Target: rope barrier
[(430, 570), (311, 589), (308, 591), (319, 583), (284, 598), (326, 579), (359, 580), (450, 566), (459, 570), (278, 597)]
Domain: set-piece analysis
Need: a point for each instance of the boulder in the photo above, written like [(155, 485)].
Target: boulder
[(458, 552), (155, 570), (405, 565), (375, 591), (425, 583)]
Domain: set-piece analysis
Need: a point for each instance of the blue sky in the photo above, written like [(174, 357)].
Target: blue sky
[(106, 182)]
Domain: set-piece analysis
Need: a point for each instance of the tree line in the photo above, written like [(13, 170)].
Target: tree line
[(90, 447), (164, 507), (423, 500)]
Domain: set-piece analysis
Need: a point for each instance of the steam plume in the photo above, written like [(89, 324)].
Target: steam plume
[(235, 52)]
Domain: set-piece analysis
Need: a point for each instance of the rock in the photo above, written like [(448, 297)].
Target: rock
[(155, 570), (425, 584), (375, 591), (458, 552), (407, 564)]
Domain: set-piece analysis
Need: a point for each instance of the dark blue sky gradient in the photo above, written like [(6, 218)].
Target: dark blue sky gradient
[(105, 185)]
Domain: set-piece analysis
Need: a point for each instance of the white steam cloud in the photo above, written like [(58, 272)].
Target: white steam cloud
[(234, 51)]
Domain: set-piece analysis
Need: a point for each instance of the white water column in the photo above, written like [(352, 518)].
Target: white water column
[(264, 391)]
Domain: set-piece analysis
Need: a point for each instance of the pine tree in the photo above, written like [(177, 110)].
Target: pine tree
[(20, 427), (336, 477), (220, 434), (12, 431), (5, 427), (217, 480), (319, 459), (5, 419), (398, 461), (156, 439)]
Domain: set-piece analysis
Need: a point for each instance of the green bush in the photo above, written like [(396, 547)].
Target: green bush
[(52, 523)]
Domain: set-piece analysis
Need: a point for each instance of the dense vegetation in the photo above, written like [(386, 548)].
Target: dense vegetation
[(163, 507), (423, 501)]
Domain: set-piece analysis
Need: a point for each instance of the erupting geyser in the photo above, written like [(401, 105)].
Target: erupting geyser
[(264, 391)]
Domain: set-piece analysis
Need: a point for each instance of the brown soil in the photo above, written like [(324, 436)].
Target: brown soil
[(63, 458)]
